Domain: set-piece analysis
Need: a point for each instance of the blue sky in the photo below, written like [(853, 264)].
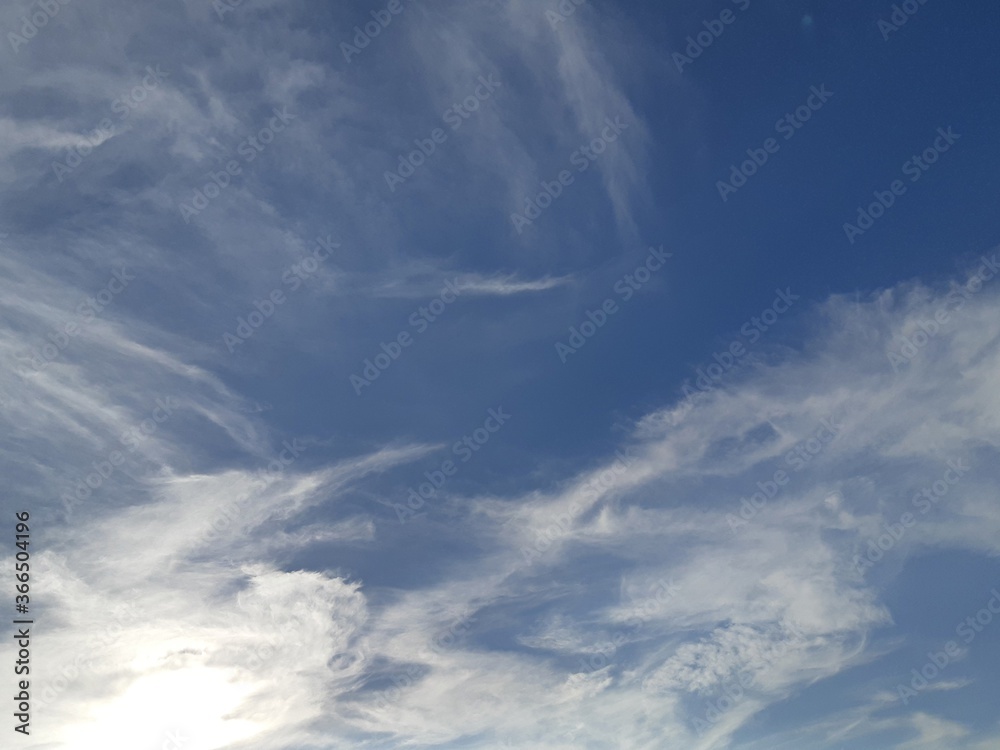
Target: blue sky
[(524, 374)]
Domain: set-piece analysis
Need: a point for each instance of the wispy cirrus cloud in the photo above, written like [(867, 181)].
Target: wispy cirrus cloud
[(270, 598)]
